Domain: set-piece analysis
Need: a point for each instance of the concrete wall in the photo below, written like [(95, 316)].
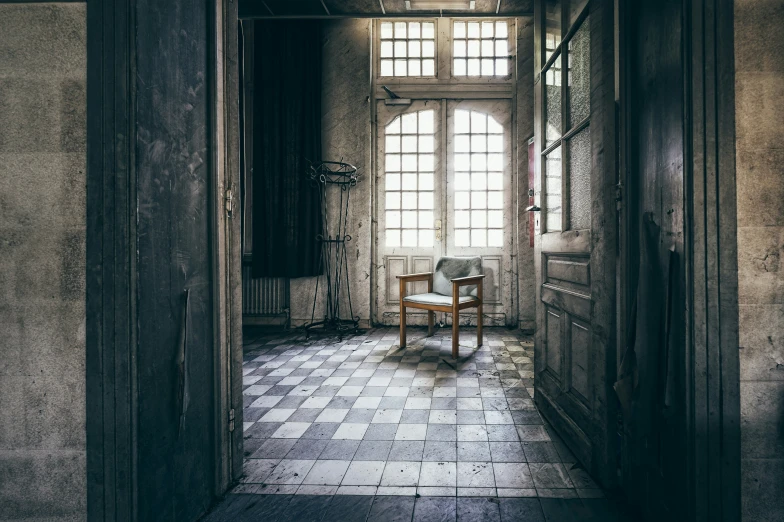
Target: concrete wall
[(759, 95), (42, 261), (346, 136)]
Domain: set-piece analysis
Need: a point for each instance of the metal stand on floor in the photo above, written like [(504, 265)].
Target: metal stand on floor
[(333, 178)]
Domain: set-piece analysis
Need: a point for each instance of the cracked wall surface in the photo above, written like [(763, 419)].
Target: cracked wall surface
[(42, 261), (759, 93)]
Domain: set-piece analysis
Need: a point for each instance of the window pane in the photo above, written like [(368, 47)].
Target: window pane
[(473, 48), (479, 143), (478, 181), (479, 200), (462, 143), (462, 200), (473, 67), (495, 181), (462, 162), (478, 123), (478, 161), (426, 122), (409, 200), (487, 67), (400, 67), (386, 30), (409, 162), (462, 181), (414, 49), (409, 181), (409, 219), (460, 30), (409, 238), (479, 219), (400, 29), (495, 200), (394, 126), (393, 219), (495, 238), (495, 162), (460, 48), (501, 47), (393, 238), (428, 30), (462, 122), (413, 30), (473, 29), (426, 219), (409, 123), (387, 68), (386, 49), (495, 219), (580, 180), (426, 162), (426, 200), (487, 29), (462, 219), (428, 48), (409, 143), (426, 238), (462, 238), (579, 87), (459, 68), (426, 182), (552, 32), (393, 200), (392, 162), (392, 144), (478, 238), (393, 182), (400, 49), (495, 143), (501, 30), (502, 67), (552, 189), (553, 101), (428, 67), (426, 144)]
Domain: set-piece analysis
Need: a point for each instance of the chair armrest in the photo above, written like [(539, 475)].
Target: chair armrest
[(470, 280), (424, 276)]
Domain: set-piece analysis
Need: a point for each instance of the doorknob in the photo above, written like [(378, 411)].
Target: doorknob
[(438, 229), (533, 208)]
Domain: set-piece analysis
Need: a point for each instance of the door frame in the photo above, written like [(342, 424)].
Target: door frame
[(111, 275)]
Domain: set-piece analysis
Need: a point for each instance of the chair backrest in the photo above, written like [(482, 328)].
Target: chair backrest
[(449, 268)]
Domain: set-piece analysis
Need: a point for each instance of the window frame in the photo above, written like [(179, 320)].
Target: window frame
[(377, 50), (568, 129), (511, 28)]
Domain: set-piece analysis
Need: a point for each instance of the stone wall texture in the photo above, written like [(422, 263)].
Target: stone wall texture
[(759, 107), (42, 261)]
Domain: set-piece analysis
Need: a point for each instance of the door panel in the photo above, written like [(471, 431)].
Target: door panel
[(409, 188), (574, 186), (479, 217)]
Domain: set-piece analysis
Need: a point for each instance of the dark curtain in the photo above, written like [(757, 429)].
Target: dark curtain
[(286, 134)]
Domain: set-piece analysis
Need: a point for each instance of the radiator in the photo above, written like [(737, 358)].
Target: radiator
[(265, 295)]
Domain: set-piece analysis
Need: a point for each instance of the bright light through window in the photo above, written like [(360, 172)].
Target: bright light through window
[(480, 49), (479, 180), (408, 49), (409, 171)]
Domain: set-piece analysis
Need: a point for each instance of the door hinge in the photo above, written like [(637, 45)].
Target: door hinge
[(231, 419), (229, 201)]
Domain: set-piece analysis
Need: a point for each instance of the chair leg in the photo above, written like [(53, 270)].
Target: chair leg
[(402, 324), (430, 320), (455, 332), (479, 320)]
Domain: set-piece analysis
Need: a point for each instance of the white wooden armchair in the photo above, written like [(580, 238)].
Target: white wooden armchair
[(455, 285)]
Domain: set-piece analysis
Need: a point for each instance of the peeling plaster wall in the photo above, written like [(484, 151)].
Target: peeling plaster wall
[(346, 131), (759, 94), (42, 261)]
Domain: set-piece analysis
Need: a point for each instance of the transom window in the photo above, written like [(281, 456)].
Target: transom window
[(409, 171), (479, 180), (480, 49), (408, 49)]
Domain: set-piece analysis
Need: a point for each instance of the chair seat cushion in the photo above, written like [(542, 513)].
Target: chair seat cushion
[(437, 299)]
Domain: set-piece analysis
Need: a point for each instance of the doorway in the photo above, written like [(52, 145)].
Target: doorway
[(444, 188)]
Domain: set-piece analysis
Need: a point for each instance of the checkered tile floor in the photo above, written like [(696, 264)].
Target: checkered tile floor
[(364, 417)]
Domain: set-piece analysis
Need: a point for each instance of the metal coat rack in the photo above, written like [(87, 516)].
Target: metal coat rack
[(328, 177)]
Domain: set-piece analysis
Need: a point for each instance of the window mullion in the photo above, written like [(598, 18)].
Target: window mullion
[(564, 118)]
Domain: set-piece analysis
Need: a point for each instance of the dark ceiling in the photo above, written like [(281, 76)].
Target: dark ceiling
[(371, 9)]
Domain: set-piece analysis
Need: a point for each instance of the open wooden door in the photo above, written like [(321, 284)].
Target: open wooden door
[(575, 248)]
